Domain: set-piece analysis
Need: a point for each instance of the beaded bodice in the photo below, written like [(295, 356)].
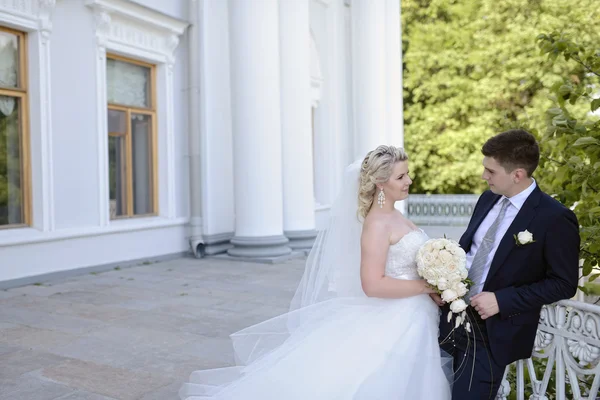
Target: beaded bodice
[(401, 262)]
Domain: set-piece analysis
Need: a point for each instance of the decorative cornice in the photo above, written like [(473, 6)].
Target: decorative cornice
[(130, 27), (144, 15), (23, 8), (29, 15)]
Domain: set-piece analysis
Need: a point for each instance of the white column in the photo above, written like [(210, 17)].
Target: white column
[(298, 192), (255, 98), (393, 37), (369, 75), (395, 113), (211, 177)]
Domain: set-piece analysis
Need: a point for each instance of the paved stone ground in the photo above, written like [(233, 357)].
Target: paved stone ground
[(134, 333)]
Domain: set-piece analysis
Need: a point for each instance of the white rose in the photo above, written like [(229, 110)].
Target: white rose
[(453, 279), (423, 257), (449, 295), (442, 284), (445, 256), (451, 268), (446, 242), (430, 275), (525, 237), (464, 273), (458, 306), (428, 259), (425, 273), (460, 288), (458, 251), (437, 245)]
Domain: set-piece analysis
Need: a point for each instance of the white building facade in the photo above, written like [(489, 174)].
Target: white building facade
[(139, 130)]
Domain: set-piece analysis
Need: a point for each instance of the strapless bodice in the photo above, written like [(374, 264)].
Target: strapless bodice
[(401, 261)]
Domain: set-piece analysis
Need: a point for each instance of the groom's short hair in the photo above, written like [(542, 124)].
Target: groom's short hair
[(515, 148)]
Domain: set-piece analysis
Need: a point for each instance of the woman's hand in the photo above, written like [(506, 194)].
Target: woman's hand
[(427, 288), (437, 299)]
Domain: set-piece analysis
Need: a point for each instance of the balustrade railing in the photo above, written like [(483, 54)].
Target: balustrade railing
[(565, 362), (441, 209)]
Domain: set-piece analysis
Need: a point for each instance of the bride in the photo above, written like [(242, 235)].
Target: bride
[(361, 325)]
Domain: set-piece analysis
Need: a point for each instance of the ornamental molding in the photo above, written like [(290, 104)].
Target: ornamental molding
[(132, 29), (29, 15)]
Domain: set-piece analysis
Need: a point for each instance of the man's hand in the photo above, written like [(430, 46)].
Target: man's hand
[(437, 299), (485, 304)]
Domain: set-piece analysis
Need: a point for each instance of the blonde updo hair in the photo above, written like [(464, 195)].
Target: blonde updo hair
[(376, 168)]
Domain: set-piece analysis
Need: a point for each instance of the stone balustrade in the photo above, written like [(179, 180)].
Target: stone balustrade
[(441, 209), (565, 361)]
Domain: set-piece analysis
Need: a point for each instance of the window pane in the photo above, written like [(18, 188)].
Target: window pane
[(117, 166), (117, 122), (11, 178), (141, 130), (9, 60), (128, 84)]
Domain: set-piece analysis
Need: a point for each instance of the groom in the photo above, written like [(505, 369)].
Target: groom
[(522, 252)]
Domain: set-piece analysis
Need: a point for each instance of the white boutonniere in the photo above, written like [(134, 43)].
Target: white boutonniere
[(523, 238)]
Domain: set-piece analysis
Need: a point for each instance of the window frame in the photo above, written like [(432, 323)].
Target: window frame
[(152, 113), (21, 92)]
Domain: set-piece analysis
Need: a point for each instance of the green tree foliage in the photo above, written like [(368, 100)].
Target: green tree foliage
[(570, 165), (471, 70)]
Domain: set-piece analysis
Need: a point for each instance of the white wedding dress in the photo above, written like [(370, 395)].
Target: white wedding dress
[(343, 348)]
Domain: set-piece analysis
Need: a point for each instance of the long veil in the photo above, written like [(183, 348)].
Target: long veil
[(332, 270), (333, 265)]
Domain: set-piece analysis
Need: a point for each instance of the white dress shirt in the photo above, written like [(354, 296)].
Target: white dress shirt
[(516, 202)]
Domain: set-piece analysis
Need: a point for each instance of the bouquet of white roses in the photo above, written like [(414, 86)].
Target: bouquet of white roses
[(442, 263)]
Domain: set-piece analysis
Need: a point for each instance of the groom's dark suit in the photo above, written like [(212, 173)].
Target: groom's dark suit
[(523, 278)]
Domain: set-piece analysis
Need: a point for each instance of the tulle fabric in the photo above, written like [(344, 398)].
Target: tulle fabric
[(344, 349), (336, 343)]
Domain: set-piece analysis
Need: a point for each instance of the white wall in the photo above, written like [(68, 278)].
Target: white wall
[(217, 175), (65, 251), (78, 238), (182, 162), (75, 153)]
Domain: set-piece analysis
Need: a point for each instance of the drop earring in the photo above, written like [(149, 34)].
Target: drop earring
[(381, 198)]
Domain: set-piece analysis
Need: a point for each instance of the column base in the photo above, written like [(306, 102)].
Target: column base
[(302, 240), (216, 244), (294, 255), (259, 247)]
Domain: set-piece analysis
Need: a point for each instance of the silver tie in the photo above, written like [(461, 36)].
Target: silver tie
[(479, 264)]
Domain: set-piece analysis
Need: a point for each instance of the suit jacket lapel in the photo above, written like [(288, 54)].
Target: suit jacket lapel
[(520, 223), (478, 219)]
